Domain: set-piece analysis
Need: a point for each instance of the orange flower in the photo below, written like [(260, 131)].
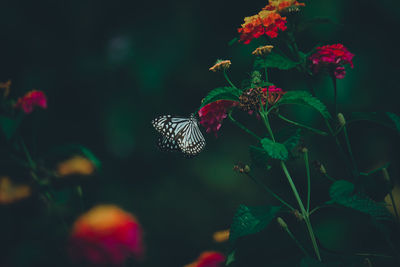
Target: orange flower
[(221, 236), (220, 65), (76, 165), (262, 50), (265, 22), (10, 193), (209, 259), (106, 235)]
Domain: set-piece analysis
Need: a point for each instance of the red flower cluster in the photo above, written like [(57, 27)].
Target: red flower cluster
[(268, 21), (30, 100), (212, 114), (209, 259), (274, 94), (106, 235), (331, 58)]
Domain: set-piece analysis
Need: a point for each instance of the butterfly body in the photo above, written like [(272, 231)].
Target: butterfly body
[(179, 134)]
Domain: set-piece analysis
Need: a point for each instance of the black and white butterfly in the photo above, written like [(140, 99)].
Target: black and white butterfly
[(179, 134)]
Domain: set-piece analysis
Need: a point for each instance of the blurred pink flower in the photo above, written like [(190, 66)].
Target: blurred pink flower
[(30, 100), (331, 58), (209, 259), (106, 235), (212, 114)]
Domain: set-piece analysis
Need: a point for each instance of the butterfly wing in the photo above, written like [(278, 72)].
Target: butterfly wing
[(167, 145), (190, 139), (179, 134)]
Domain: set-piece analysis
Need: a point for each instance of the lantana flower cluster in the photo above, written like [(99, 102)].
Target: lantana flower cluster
[(209, 259), (332, 59), (212, 114), (268, 21), (30, 100), (106, 235)]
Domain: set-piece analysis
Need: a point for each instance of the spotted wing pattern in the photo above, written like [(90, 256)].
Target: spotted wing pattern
[(179, 134)]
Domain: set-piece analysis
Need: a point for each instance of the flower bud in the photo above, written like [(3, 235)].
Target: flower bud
[(281, 223), (304, 150), (322, 169), (262, 50), (341, 119), (298, 215), (221, 65)]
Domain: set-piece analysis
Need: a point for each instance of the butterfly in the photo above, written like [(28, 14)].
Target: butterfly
[(179, 134)]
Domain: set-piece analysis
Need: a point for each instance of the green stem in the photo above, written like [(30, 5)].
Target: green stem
[(303, 126), (308, 180), (376, 170), (228, 80), (394, 207), (241, 126), (28, 155), (344, 156), (266, 71), (302, 209), (297, 242), (266, 123), (335, 93), (346, 136), (268, 190)]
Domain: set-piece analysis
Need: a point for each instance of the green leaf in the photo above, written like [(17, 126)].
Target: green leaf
[(250, 220), (303, 98), (259, 157), (275, 60), (386, 119), (395, 119), (342, 192), (293, 142), (221, 93), (9, 125), (275, 150)]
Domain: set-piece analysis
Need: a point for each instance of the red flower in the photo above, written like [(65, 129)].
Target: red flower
[(209, 259), (274, 94), (30, 100), (212, 114), (265, 22), (332, 59), (106, 235)]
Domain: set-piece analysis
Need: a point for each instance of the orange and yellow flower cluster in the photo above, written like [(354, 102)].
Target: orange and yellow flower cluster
[(268, 21)]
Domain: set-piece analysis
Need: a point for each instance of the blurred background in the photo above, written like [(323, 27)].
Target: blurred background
[(110, 67)]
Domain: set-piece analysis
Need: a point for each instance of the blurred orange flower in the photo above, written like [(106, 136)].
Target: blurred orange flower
[(221, 236), (10, 193), (76, 165), (209, 259), (106, 235)]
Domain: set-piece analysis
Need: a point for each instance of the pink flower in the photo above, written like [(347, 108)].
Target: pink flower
[(30, 100), (212, 114), (209, 259), (332, 58), (106, 235)]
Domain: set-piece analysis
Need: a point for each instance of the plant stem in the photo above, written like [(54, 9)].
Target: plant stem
[(241, 126), (389, 180), (266, 72), (303, 126), (302, 209), (297, 242), (28, 156), (228, 80), (308, 180), (335, 93), (346, 136), (268, 190)]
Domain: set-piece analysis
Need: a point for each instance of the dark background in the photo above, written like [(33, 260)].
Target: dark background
[(110, 67)]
